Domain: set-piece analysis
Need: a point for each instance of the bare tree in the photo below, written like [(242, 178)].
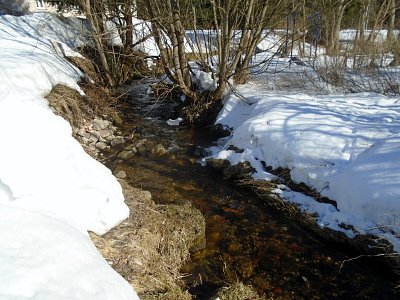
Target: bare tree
[(392, 18), (224, 49), (114, 61), (94, 14), (333, 13)]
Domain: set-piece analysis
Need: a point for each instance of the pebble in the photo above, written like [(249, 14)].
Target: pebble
[(99, 135), (120, 174)]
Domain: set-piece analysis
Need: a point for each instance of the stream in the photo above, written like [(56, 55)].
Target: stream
[(246, 240)]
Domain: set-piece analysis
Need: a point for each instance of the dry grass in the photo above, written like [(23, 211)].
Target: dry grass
[(150, 247), (237, 291), (77, 109), (87, 67), (66, 103)]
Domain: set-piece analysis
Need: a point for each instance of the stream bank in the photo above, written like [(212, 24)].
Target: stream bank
[(246, 241), (149, 248)]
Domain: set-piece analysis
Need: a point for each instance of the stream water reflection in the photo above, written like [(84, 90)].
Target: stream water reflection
[(246, 241)]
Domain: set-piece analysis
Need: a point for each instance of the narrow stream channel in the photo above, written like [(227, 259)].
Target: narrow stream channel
[(246, 241)]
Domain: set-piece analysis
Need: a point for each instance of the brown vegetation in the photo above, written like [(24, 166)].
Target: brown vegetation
[(149, 248), (77, 109)]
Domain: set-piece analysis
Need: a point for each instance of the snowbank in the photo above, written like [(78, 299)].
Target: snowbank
[(51, 191), (45, 258), (346, 147)]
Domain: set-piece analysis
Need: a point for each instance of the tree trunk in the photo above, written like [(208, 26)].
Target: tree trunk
[(94, 23), (129, 30), (392, 19)]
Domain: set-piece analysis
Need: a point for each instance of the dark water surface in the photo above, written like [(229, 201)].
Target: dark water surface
[(246, 240)]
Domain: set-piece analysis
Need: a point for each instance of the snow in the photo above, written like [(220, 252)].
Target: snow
[(174, 122), (51, 191), (344, 146), (45, 258), (204, 80), (112, 34), (145, 43), (351, 34)]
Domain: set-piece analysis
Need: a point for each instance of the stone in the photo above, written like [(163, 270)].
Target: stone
[(110, 137), (125, 154), (99, 124), (140, 146), (120, 174), (93, 139), (85, 140), (81, 132), (96, 134), (101, 145), (105, 133), (103, 140), (117, 141)]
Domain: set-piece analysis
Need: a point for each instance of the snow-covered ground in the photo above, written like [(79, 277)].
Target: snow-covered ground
[(51, 191), (344, 146)]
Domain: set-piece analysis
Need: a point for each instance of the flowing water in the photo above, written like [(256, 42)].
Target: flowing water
[(246, 240)]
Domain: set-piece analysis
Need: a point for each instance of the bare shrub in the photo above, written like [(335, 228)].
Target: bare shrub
[(363, 70)]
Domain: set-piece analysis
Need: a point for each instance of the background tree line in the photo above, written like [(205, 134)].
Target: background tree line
[(226, 33)]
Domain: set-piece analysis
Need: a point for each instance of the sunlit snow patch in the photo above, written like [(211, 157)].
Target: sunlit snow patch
[(175, 122)]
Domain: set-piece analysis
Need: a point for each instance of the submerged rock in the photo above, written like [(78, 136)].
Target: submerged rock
[(159, 150), (125, 154)]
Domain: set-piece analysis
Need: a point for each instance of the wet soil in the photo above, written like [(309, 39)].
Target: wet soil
[(246, 240)]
